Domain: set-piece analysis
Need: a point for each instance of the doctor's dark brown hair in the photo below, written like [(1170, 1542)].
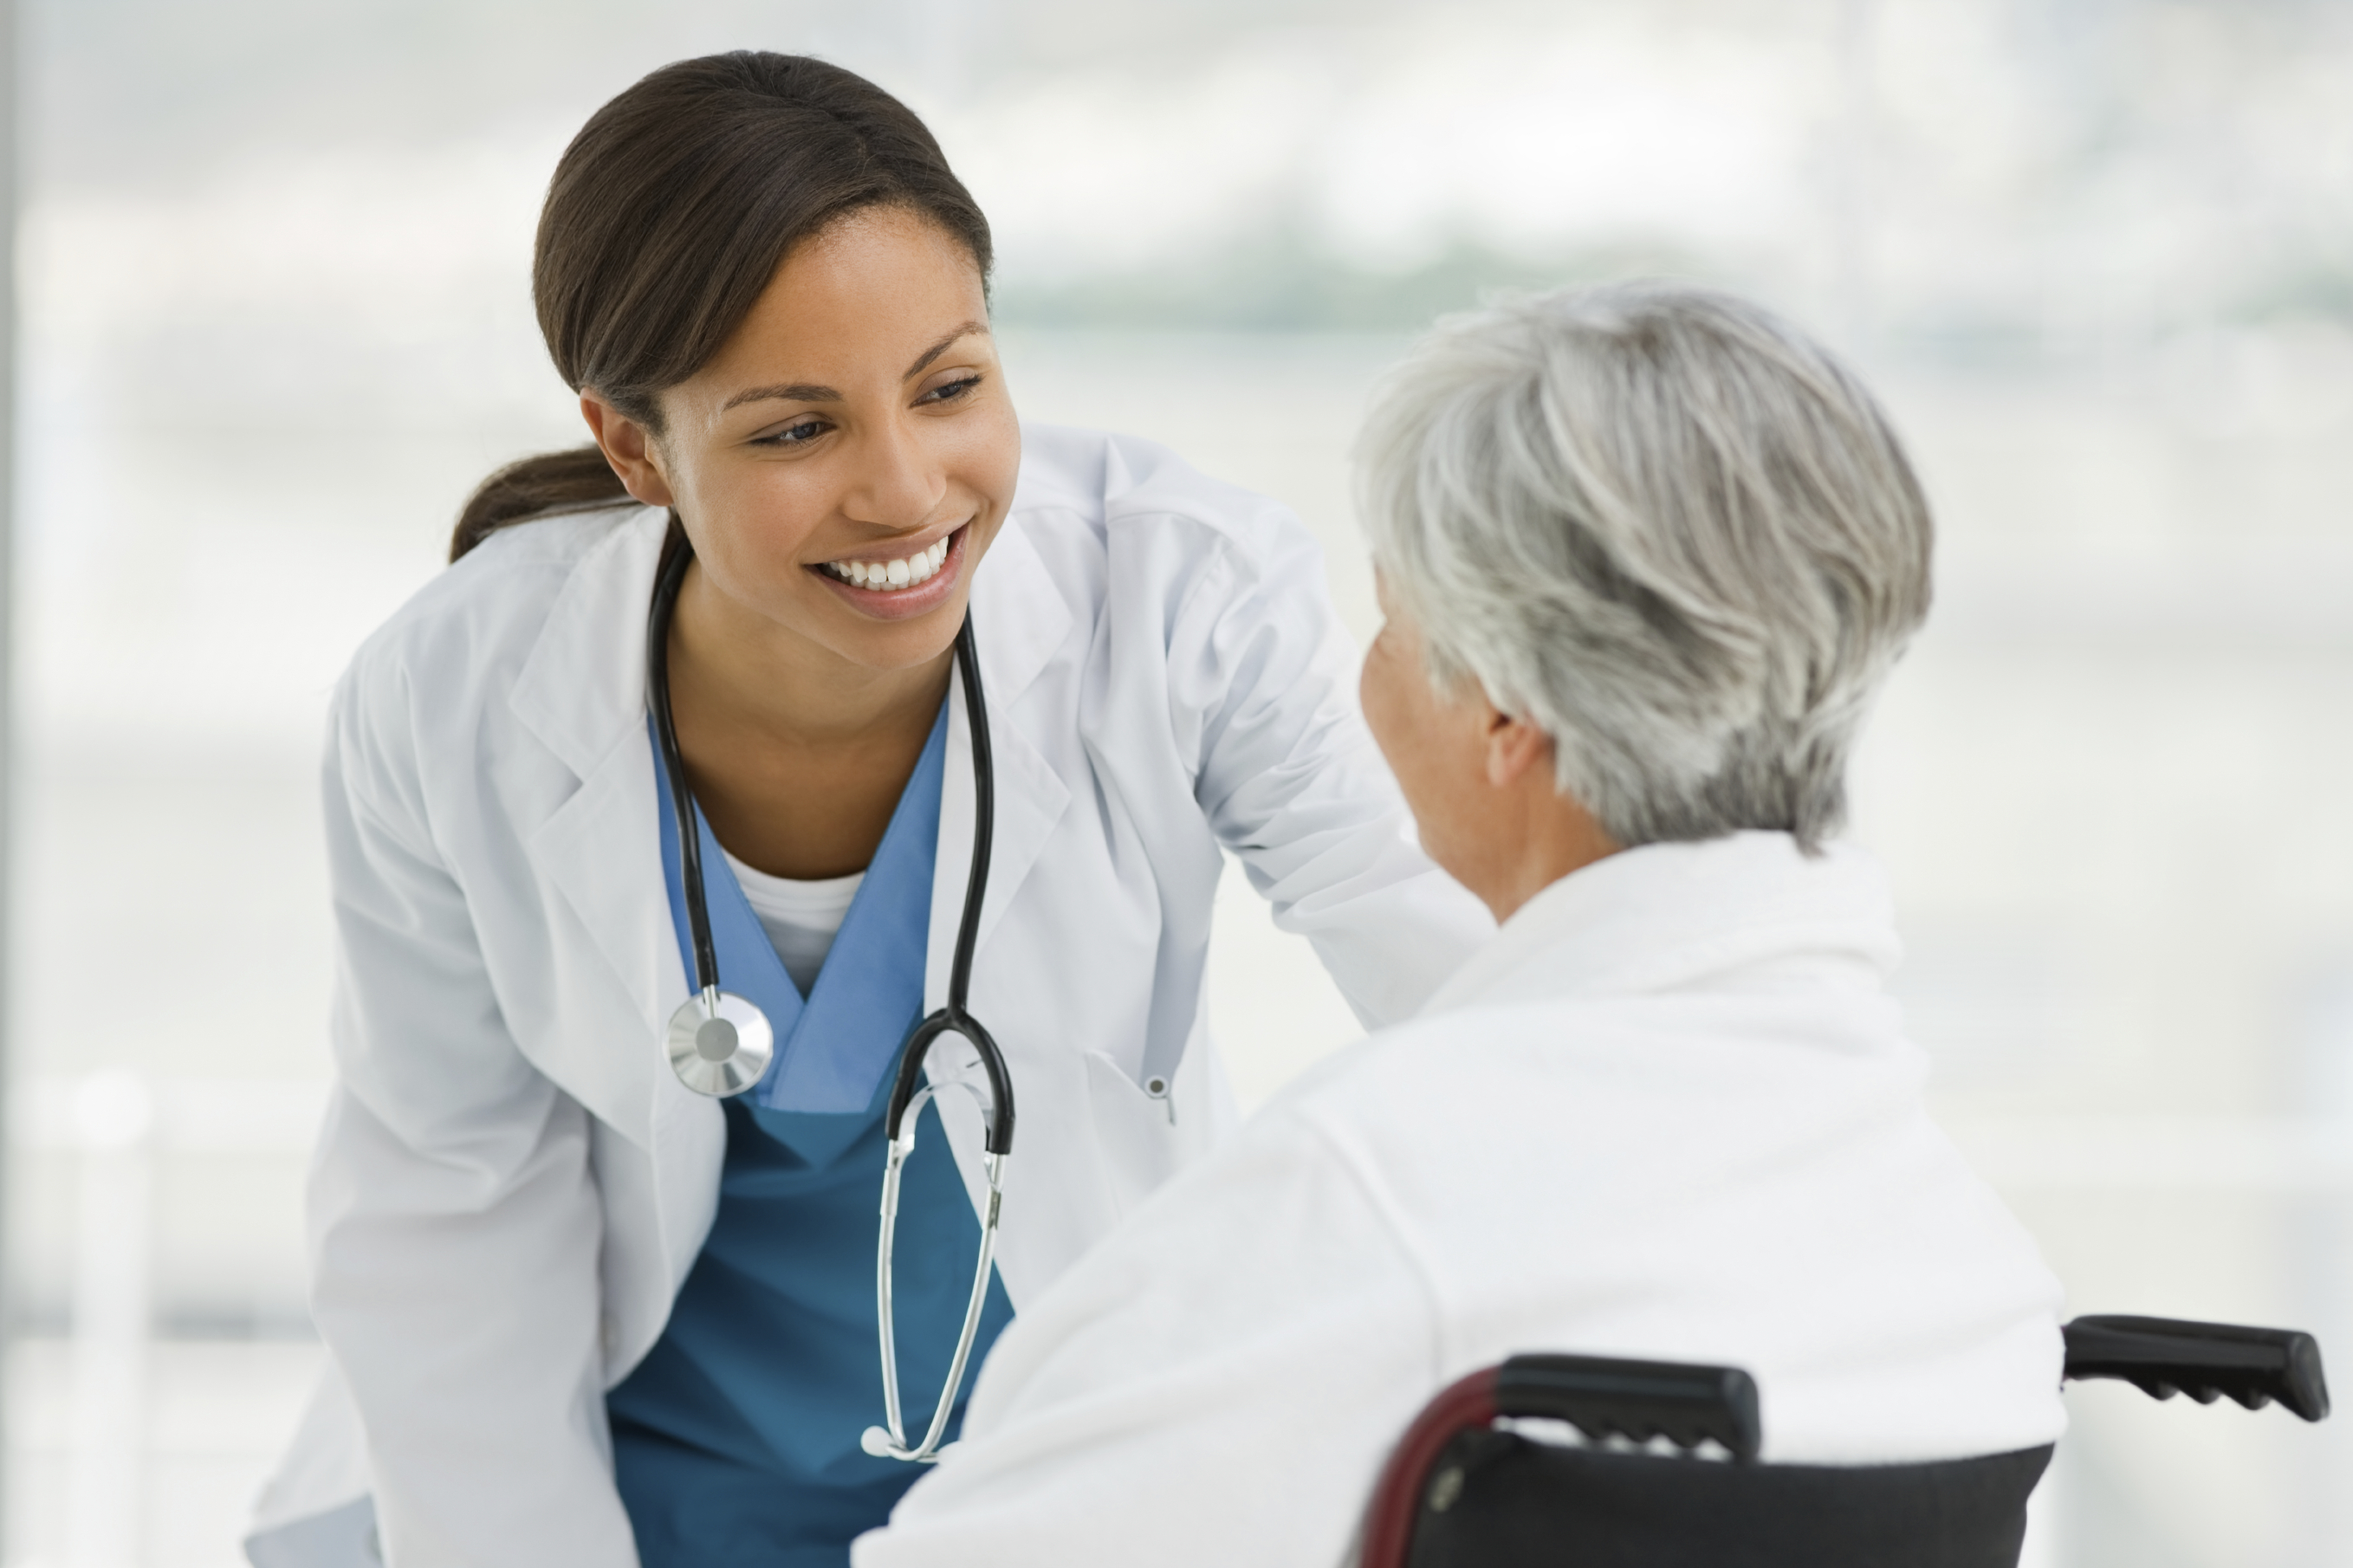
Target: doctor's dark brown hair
[(668, 215)]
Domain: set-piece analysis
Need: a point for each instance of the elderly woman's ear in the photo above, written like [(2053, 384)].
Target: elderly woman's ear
[(1516, 750)]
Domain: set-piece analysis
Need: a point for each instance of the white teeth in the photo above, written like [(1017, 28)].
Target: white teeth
[(887, 575)]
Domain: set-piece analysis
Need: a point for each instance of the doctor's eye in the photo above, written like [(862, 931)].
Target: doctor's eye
[(799, 433), (949, 392)]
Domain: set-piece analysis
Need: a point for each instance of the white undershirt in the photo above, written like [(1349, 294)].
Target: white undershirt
[(800, 918)]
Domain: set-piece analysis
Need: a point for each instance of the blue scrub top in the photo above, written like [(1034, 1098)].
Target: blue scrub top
[(736, 1440)]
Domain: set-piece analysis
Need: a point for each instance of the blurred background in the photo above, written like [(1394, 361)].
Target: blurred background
[(2098, 254)]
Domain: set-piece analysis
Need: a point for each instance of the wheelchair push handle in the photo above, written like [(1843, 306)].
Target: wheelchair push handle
[(1604, 1398), (2163, 1357)]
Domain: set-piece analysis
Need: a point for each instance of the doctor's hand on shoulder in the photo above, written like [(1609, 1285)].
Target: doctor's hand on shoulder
[(821, 756)]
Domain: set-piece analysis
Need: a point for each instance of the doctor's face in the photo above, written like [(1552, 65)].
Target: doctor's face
[(846, 459)]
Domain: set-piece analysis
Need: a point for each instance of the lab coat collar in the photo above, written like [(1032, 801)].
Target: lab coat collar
[(582, 692), (1672, 916), (583, 689), (1020, 621)]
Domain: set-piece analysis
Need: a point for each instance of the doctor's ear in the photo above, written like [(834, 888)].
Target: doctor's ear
[(630, 447), (1514, 747)]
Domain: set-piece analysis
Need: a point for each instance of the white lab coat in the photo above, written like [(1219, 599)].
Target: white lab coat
[(511, 1185), (1667, 1114)]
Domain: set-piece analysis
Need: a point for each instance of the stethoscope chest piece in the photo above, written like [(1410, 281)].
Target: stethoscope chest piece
[(720, 1044)]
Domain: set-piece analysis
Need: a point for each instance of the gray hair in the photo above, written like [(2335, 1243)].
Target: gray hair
[(1667, 529)]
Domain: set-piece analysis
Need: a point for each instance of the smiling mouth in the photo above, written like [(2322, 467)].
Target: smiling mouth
[(891, 576)]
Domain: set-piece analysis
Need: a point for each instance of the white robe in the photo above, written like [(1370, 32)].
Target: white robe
[(1667, 1113)]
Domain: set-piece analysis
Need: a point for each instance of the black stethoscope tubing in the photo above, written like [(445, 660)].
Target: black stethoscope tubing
[(954, 1018)]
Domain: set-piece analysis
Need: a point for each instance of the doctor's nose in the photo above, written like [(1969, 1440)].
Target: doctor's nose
[(897, 484)]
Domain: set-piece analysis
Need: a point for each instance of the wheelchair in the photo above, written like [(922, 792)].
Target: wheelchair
[(1563, 1461)]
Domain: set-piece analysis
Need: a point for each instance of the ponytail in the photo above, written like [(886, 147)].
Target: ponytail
[(554, 482)]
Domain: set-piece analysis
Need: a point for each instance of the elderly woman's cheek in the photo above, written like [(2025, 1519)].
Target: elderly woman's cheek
[(1398, 722), (1400, 727)]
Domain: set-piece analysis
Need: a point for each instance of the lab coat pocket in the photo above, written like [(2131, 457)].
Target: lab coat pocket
[(1136, 1142)]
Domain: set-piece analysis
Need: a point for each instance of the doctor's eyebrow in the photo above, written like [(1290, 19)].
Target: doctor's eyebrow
[(810, 392), (924, 360)]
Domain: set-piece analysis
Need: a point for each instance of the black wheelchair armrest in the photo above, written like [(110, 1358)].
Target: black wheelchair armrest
[(2161, 1356), (1639, 1400)]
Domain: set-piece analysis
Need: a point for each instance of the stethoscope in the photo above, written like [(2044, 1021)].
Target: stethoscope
[(721, 1044)]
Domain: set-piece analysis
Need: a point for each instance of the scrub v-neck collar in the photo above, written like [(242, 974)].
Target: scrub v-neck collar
[(835, 1046)]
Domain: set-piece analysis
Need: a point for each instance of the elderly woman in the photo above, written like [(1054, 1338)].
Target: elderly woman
[(1646, 554)]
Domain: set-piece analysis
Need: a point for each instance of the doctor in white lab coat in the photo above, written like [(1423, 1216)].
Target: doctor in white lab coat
[(782, 346), (1646, 555)]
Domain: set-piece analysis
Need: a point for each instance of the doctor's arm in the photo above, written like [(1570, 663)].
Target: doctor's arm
[(1294, 786), (454, 1220)]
